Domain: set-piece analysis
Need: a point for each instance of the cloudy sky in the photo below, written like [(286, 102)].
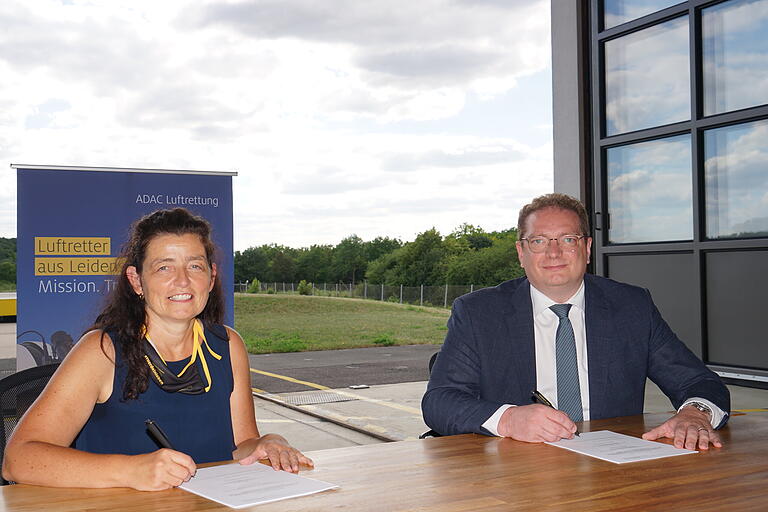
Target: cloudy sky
[(376, 117)]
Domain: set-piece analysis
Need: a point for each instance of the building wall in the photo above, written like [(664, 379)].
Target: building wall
[(567, 103)]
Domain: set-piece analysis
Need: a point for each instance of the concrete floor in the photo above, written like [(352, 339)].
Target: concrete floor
[(305, 432)]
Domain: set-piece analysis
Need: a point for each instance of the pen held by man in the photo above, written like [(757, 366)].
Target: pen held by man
[(536, 423), (537, 397)]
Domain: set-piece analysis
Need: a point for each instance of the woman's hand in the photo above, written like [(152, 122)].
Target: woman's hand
[(160, 470), (281, 455)]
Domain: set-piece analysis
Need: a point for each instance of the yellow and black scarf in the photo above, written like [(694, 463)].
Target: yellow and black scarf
[(188, 381)]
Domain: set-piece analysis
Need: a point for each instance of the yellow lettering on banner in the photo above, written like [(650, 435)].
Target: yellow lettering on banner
[(72, 246), (78, 266)]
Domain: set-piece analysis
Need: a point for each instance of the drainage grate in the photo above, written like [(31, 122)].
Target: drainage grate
[(314, 397)]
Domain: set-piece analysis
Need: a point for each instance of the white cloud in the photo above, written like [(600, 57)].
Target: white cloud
[(735, 69), (649, 191), (647, 78), (311, 102), (736, 180)]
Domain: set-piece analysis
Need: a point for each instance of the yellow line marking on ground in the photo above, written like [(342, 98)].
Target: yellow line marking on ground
[(290, 379), (257, 390), (347, 394), (750, 410)]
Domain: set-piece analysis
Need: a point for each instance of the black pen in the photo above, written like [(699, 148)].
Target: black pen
[(157, 434), (538, 397)]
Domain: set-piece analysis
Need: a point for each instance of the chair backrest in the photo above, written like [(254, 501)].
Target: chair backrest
[(432, 361), (17, 392), (430, 432)]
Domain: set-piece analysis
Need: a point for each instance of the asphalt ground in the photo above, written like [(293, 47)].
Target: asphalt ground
[(371, 391), (303, 371)]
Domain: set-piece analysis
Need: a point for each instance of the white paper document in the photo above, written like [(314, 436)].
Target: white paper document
[(239, 486), (619, 448)]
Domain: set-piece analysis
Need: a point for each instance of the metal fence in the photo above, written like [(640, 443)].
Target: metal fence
[(438, 296)]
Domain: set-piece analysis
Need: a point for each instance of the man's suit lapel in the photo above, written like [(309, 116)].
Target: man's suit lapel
[(519, 346), (600, 331)]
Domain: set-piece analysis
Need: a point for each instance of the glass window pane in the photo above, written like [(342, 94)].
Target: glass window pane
[(649, 191), (647, 80), (735, 55), (616, 12), (736, 174)]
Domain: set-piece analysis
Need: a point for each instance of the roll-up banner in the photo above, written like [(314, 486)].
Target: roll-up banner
[(72, 223)]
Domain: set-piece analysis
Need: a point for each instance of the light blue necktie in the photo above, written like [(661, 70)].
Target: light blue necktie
[(568, 392)]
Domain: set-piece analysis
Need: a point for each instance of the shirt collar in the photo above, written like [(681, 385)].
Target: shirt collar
[(542, 303)]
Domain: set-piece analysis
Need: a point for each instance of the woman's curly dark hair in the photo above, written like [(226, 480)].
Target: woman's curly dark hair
[(124, 313)]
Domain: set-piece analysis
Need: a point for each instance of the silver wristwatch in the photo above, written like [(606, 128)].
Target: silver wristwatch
[(702, 407)]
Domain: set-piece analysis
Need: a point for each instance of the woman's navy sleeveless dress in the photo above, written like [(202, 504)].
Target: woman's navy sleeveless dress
[(198, 425)]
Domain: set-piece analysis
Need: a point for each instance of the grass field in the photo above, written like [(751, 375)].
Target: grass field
[(295, 323)]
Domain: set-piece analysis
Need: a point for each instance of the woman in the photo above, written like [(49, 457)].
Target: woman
[(157, 351)]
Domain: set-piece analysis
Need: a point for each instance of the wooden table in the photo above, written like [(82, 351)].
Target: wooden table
[(476, 473)]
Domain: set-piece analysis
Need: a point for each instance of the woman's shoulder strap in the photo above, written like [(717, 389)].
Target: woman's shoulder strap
[(219, 331)]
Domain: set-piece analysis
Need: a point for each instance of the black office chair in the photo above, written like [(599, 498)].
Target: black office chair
[(17, 392), (431, 433)]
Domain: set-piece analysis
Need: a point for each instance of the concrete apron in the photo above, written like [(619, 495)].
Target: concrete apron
[(389, 412)]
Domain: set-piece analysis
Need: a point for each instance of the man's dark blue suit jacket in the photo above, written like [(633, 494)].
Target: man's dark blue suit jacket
[(488, 358)]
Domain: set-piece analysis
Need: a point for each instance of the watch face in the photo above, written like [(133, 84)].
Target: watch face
[(701, 407)]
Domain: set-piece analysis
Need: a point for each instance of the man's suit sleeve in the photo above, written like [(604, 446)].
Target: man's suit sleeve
[(678, 372), (453, 403)]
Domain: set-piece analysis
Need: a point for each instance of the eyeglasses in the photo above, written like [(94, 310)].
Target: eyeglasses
[(539, 244)]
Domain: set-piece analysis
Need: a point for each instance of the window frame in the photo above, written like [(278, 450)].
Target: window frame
[(599, 142)]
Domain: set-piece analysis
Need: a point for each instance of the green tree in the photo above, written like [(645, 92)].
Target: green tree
[(7, 271), (488, 266), (251, 263), (380, 246), (282, 267), (415, 263), (424, 260), (314, 263), (8, 262), (349, 262), (472, 237), (255, 286), (304, 288), (385, 269), (8, 249)]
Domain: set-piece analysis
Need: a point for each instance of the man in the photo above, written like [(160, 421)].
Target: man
[(585, 342)]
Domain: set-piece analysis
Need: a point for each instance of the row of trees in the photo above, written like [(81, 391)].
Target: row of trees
[(345, 262), (469, 255)]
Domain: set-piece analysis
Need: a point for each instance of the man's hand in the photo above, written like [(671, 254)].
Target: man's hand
[(535, 424), (688, 428)]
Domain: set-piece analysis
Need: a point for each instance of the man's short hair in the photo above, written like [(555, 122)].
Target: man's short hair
[(554, 200)]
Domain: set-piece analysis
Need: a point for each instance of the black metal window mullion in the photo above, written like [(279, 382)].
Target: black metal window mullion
[(657, 132), (698, 182), (734, 117), (643, 22), (599, 221)]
